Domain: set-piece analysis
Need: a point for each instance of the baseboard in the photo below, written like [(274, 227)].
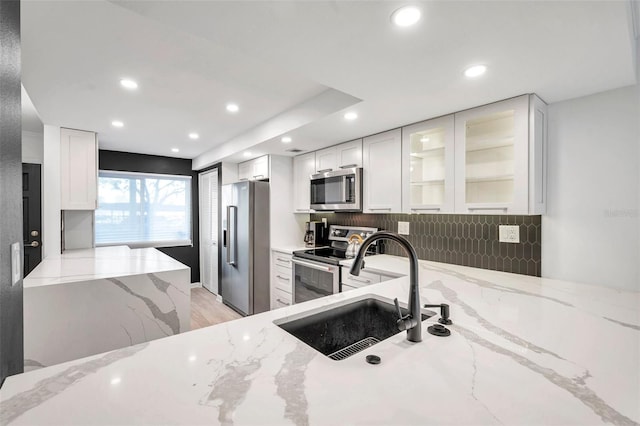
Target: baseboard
[(196, 285)]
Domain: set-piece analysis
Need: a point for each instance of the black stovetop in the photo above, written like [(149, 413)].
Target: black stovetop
[(324, 254)]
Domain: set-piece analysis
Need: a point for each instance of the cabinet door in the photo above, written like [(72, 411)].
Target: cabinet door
[(492, 168), (260, 168), (78, 170), (245, 170), (326, 160), (382, 172), (428, 166), (349, 154), (303, 167)]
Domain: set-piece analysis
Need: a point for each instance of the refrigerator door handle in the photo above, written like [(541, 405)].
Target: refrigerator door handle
[(232, 234)]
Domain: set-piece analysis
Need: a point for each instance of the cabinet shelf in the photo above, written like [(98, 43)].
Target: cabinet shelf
[(497, 178), (428, 182), (483, 144)]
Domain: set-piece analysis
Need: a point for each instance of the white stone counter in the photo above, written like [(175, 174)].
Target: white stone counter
[(523, 350), (86, 302), (101, 262)]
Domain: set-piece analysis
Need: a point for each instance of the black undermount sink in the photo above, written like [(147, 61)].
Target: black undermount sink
[(345, 328)]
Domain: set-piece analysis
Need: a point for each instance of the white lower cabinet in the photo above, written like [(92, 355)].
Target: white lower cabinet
[(281, 275), (351, 282)]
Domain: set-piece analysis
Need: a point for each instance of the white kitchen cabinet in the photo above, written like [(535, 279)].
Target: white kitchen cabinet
[(428, 166), (345, 155), (382, 172), (256, 169), (349, 154), (499, 157), (326, 160), (350, 282), (78, 170), (303, 167), (281, 275)]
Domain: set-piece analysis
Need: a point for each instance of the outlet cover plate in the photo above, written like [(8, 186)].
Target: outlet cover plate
[(509, 233), (403, 228)]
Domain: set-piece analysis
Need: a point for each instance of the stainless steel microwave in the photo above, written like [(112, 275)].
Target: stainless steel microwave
[(337, 190)]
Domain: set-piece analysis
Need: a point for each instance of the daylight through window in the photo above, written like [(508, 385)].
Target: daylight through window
[(143, 210)]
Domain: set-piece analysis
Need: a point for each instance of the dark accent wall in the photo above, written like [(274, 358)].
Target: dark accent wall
[(11, 318), (129, 162), (469, 240)]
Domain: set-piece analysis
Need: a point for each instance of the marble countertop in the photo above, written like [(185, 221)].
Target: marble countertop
[(522, 350), (101, 262)]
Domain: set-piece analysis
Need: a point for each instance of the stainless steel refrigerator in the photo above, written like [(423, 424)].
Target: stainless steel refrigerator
[(245, 247)]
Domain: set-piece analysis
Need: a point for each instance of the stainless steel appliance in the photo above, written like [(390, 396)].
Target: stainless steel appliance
[(314, 234), (316, 272), (337, 190), (245, 240)]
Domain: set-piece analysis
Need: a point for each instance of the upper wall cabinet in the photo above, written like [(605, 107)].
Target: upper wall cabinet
[(382, 177), (303, 167), (499, 161), (256, 169), (78, 170), (428, 166), (348, 154)]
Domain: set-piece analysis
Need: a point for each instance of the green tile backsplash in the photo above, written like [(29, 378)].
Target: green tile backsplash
[(469, 240)]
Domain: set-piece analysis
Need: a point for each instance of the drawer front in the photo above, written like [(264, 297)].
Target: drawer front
[(365, 278), (282, 259), (280, 299), (282, 278), (346, 287)]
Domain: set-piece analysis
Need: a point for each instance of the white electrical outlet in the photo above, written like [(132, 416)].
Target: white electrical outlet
[(403, 228), (509, 233), (324, 220)]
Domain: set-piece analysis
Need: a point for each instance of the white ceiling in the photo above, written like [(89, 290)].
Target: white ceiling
[(281, 61)]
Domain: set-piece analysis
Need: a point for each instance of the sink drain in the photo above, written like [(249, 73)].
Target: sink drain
[(353, 349)]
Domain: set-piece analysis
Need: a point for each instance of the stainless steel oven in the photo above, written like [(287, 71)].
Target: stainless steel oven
[(337, 190), (312, 280)]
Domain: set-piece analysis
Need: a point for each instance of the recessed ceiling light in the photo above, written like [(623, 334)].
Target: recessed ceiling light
[(193, 136), (406, 16), (232, 108), (175, 150), (247, 154), (128, 84), (350, 116), (475, 71), (286, 139), (117, 123)]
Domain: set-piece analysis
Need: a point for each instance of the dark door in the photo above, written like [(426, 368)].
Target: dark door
[(32, 216)]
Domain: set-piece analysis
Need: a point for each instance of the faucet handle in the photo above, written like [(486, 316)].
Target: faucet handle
[(395, 302)]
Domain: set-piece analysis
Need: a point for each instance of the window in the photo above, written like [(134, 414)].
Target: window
[(143, 210)]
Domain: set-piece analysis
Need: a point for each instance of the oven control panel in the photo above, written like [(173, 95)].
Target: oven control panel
[(343, 233)]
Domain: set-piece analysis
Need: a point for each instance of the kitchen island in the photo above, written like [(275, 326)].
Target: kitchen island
[(522, 350), (89, 301)]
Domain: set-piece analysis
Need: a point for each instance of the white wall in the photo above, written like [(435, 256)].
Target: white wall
[(591, 229), (32, 147), (51, 192)]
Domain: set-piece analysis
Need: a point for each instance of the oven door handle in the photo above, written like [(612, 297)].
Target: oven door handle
[(318, 266)]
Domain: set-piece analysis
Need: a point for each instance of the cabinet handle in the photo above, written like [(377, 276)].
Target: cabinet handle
[(433, 209), (503, 209), (283, 278), (348, 166), (381, 209), (324, 170), (283, 260), (283, 302), (241, 179), (351, 277)]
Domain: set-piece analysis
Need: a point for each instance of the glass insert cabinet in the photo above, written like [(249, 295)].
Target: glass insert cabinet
[(485, 160)]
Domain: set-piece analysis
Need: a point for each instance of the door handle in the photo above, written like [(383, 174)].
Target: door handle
[(34, 244), (232, 234)]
